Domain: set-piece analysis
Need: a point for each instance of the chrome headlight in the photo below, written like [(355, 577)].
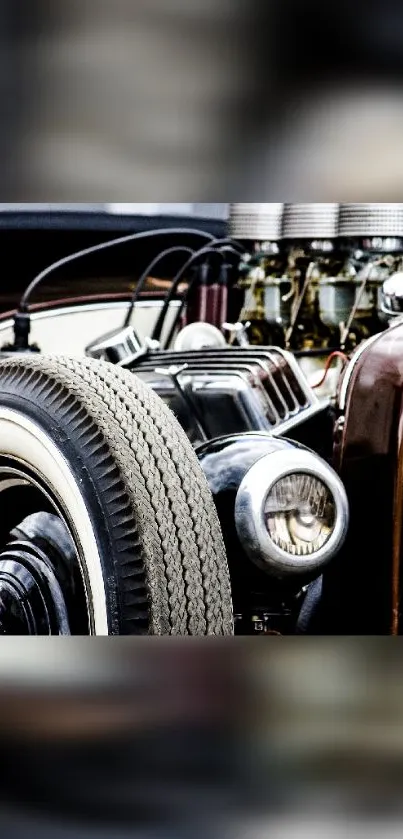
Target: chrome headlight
[(392, 295), (291, 513)]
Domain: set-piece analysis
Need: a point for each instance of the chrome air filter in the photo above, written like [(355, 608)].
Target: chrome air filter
[(310, 222), (367, 221), (256, 222)]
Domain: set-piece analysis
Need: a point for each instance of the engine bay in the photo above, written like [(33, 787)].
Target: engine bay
[(247, 338)]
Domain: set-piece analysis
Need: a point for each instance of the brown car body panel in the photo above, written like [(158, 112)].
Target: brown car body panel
[(369, 458)]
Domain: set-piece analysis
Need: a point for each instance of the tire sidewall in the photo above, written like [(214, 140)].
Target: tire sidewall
[(46, 448)]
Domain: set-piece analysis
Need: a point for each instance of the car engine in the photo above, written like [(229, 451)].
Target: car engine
[(307, 279), (313, 274)]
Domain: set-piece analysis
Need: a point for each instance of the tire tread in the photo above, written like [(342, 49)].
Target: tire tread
[(162, 516)]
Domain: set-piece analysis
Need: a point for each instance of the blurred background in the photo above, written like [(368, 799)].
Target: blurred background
[(169, 738), (280, 100)]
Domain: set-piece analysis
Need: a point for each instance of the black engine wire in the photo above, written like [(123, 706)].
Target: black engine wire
[(149, 234), (219, 247), (146, 274)]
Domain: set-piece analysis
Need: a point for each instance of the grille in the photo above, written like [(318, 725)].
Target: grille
[(371, 220), (275, 393), (310, 221), (256, 222)]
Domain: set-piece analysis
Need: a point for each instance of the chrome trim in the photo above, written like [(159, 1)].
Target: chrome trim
[(300, 376), (391, 297), (311, 222), (249, 512), (370, 221), (351, 367), (256, 222)]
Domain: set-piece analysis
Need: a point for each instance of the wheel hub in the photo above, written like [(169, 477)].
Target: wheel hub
[(31, 599)]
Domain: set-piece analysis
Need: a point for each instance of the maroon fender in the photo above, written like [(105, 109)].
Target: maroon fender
[(370, 395), (369, 458)]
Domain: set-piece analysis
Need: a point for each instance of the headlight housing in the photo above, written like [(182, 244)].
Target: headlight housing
[(291, 513)]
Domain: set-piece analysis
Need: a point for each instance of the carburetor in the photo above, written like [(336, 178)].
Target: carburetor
[(309, 235), (372, 238), (291, 247), (313, 274), (262, 277)]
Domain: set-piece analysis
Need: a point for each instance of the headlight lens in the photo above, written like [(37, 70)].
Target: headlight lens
[(300, 514), (291, 512)]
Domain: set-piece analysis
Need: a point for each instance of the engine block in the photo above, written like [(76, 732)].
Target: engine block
[(232, 390)]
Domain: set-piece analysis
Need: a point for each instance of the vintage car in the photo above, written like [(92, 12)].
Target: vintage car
[(170, 460)]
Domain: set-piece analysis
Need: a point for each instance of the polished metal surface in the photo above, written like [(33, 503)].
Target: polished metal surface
[(310, 221), (256, 222), (116, 346), (392, 295), (250, 505), (239, 388), (197, 336), (370, 220)]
